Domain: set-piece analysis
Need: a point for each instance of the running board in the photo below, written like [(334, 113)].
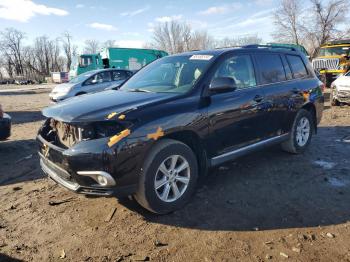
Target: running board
[(247, 149)]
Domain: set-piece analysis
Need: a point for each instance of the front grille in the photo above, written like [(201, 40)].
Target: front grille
[(326, 63), (56, 169)]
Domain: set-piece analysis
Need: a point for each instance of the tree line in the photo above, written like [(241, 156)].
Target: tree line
[(37, 60), (310, 23)]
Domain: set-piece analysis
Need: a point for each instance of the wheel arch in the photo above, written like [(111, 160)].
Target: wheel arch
[(191, 139), (312, 109)]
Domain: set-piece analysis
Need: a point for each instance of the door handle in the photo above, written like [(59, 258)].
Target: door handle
[(258, 98)]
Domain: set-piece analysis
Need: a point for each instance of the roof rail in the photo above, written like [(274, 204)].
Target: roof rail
[(270, 46), (224, 47)]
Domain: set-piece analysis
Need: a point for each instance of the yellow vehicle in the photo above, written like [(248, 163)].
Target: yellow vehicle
[(332, 60)]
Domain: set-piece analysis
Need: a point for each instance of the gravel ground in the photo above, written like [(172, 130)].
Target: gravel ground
[(268, 206)]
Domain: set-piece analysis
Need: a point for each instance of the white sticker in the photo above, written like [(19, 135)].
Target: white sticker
[(201, 57)]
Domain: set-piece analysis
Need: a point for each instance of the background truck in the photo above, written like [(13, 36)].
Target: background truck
[(332, 60), (114, 57)]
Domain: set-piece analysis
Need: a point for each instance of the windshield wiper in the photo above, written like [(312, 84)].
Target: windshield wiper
[(140, 90)]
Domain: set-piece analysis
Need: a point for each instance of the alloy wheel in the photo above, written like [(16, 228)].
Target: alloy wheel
[(172, 178), (303, 131)]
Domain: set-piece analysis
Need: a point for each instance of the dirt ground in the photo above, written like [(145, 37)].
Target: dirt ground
[(268, 206)]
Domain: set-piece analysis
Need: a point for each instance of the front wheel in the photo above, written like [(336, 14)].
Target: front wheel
[(169, 177), (301, 133)]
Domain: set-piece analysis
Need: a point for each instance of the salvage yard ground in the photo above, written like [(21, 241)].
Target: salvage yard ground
[(268, 206)]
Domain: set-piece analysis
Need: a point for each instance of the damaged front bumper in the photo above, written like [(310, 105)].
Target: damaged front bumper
[(66, 168), (342, 96)]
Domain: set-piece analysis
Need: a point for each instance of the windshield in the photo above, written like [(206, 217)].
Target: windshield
[(80, 78), (173, 74), (334, 51), (85, 61)]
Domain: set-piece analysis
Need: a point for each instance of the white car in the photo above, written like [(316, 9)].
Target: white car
[(340, 92), (90, 82)]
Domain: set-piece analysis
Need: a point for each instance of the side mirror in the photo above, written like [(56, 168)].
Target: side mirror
[(222, 84)]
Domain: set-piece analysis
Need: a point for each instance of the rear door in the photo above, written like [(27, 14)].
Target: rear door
[(235, 117), (275, 78)]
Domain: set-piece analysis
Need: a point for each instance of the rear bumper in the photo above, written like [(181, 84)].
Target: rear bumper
[(5, 127)]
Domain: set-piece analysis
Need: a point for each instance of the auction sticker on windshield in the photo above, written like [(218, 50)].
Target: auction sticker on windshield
[(201, 57)]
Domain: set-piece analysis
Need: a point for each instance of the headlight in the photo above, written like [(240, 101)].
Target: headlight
[(108, 129), (343, 66)]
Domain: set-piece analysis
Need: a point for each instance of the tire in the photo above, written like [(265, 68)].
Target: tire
[(295, 144), (164, 152), (334, 101)]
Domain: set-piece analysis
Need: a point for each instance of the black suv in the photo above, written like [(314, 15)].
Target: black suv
[(177, 117)]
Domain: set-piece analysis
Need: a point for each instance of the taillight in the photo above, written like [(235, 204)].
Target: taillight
[(1, 112)]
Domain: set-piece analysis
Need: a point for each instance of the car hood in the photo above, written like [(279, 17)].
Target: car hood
[(342, 83), (62, 87), (96, 107)]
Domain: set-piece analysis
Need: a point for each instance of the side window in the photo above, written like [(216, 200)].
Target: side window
[(90, 81), (103, 77), (118, 75), (287, 68), (239, 68), (270, 68), (297, 65)]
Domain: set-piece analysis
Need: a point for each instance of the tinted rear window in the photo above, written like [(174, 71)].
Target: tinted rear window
[(270, 68), (297, 65)]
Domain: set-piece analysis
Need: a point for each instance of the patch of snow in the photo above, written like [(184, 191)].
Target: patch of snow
[(325, 164), (336, 182)]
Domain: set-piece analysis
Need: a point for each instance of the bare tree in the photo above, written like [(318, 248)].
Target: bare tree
[(288, 20), (201, 40), (11, 45), (326, 19), (92, 46), (173, 37), (238, 41), (69, 49), (311, 27), (109, 43)]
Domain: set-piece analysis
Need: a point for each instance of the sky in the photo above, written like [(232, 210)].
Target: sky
[(130, 22)]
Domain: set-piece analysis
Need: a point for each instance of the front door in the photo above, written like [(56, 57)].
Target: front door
[(97, 82), (235, 118)]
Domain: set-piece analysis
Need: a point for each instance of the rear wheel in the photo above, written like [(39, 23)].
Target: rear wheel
[(169, 177), (301, 133)]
